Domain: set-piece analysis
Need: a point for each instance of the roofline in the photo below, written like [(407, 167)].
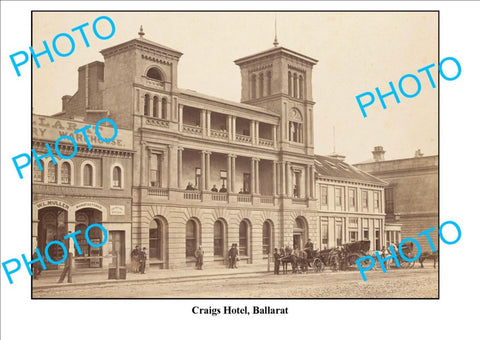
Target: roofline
[(375, 180), (275, 51), (395, 160), (144, 41), (228, 102)]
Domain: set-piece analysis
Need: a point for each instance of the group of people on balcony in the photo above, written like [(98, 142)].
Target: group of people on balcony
[(222, 189)]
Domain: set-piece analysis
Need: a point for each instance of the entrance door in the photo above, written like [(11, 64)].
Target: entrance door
[(118, 245), (297, 241)]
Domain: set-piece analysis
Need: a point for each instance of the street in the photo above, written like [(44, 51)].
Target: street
[(396, 283)]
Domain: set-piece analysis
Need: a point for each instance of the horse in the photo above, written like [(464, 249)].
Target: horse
[(428, 255)]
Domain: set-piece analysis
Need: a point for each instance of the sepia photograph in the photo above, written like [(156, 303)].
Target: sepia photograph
[(235, 155)]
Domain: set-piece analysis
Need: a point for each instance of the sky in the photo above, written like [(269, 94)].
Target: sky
[(356, 52)]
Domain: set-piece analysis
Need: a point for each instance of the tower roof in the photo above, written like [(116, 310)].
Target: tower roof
[(140, 43), (273, 51)]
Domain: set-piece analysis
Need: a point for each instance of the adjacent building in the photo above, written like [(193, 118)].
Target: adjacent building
[(411, 197)]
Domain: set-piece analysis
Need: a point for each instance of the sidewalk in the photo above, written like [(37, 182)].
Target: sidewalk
[(49, 279)]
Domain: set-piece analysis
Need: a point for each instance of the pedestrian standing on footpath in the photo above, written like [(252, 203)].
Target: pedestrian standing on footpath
[(67, 270), (135, 259), (233, 256), (276, 268), (143, 260), (199, 256)]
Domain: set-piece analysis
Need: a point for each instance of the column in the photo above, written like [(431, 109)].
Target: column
[(283, 184), (180, 167), (252, 131), (171, 167), (207, 170), (257, 134), (229, 123), (288, 179), (229, 174), (252, 175), (232, 185), (234, 127), (274, 178), (312, 182), (150, 104), (257, 177), (274, 135), (203, 124), (180, 117), (209, 114), (202, 178)]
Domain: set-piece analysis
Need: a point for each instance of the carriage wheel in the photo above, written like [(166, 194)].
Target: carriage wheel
[(318, 265), (404, 264), (412, 264)]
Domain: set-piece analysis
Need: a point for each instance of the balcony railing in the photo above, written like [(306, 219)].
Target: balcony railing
[(192, 195), (157, 122), (158, 192), (219, 134), (265, 142), (220, 196), (194, 130), (243, 139), (266, 199), (244, 198)]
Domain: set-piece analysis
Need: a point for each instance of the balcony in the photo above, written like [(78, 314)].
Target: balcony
[(194, 130), (243, 139), (219, 134), (157, 192), (244, 198), (266, 199), (265, 142), (219, 197), (157, 122), (192, 195)]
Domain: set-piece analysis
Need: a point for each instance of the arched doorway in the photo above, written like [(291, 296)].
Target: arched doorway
[(192, 238), (52, 226), (220, 242), (90, 257), (299, 232), (267, 238), (157, 249)]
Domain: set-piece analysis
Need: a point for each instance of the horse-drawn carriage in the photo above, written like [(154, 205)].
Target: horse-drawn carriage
[(341, 258)]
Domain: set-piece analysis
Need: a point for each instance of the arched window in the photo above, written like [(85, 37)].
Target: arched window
[(146, 106), (156, 239), (266, 238), (269, 83), (164, 108), (254, 86), (52, 172), (243, 239), (289, 83), (300, 86), (155, 106), (218, 239), (155, 73), (37, 173), (88, 175), (117, 177), (192, 237), (66, 173), (295, 85), (260, 85)]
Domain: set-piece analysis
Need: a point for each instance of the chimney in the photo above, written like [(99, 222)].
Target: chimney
[(378, 154), (418, 153), (65, 99)]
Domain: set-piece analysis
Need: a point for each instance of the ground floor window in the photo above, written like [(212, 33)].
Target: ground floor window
[(243, 246), (191, 238)]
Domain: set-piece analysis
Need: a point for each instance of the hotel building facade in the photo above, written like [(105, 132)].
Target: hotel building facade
[(195, 170)]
